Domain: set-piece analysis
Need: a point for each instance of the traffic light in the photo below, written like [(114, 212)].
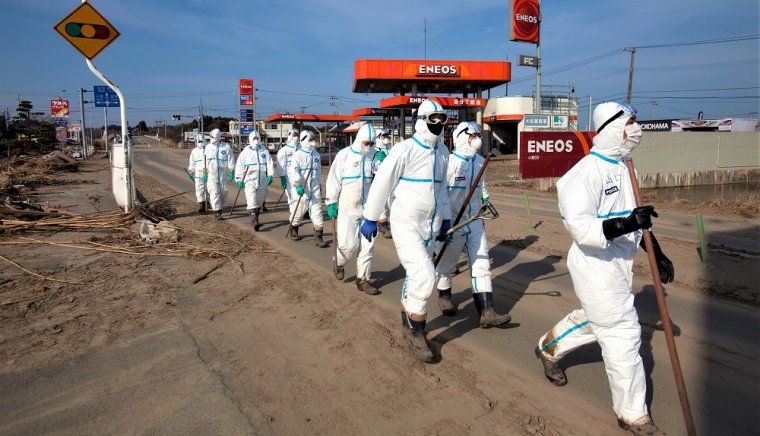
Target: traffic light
[(90, 31)]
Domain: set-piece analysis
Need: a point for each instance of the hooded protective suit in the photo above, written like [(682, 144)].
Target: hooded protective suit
[(304, 163), (464, 165), (284, 155), (383, 147), (415, 174), (197, 167), (596, 189), (220, 161), (253, 166), (348, 183)]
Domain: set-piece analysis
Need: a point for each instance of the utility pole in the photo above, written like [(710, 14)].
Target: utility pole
[(588, 121), (425, 35), (630, 73), (200, 115), (654, 104), (82, 136)]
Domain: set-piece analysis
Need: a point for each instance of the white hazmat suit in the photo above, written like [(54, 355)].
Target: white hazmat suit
[(597, 189), (464, 165), (197, 169), (255, 169), (383, 147), (348, 183), (305, 175), (219, 161), (415, 174), (284, 155)]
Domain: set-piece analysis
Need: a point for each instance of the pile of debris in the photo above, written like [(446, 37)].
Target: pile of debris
[(33, 171)]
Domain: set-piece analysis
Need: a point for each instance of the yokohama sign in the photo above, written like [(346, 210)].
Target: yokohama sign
[(551, 154), (525, 20)]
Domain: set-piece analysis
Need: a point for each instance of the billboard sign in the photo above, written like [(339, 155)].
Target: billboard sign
[(59, 108), (656, 125), (551, 154), (60, 134), (537, 121), (527, 61), (559, 121), (246, 127), (246, 114), (246, 100), (525, 21), (105, 97)]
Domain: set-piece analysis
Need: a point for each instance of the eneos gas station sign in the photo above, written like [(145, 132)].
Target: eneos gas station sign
[(551, 154)]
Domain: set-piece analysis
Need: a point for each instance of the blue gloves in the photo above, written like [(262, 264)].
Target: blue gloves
[(445, 226), (299, 190), (380, 155), (191, 177), (332, 210), (231, 176), (284, 182), (485, 200), (369, 229), (241, 184), (204, 178), (269, 180)]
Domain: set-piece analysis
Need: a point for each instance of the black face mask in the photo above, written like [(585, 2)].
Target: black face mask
[(435, 129)]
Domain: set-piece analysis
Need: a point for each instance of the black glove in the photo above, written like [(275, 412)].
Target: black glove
[(640, 218), (664, 265)]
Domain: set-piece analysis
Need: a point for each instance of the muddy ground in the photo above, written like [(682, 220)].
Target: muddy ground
[(304, 356)]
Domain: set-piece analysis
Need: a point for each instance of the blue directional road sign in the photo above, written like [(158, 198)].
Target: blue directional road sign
[(105, 97)]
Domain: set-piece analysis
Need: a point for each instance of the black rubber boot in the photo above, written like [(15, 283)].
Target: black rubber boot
[(264, 207), (318, 241), (201, 207), (444, 302), (363, 285), (385, 230), (645, 428), (488, 317), (255, 219), (552, 371), (294, 233), (218, 215), (339, 272), (414, 333)]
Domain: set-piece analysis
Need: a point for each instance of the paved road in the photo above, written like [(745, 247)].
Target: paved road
[(717, 346)]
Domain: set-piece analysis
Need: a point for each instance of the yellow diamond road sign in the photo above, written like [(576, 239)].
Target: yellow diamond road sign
[(87, 30)]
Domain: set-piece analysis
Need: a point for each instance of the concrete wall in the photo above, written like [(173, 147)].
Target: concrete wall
[(697, 158)]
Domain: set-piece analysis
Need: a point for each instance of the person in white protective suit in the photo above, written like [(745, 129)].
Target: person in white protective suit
[(305, 175), (254, 171), (415, 174), (464, 165), (598, 209), (284, 155), (196, 171), (383, 146), (348, 182), (220, 163)]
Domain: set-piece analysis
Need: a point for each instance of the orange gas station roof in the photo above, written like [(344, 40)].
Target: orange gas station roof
[(430, 76), (411, 101), (326, 118)]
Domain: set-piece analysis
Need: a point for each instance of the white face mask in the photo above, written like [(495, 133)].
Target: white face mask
[(255, 143), (385, 141), (633, 137), (309, 145)]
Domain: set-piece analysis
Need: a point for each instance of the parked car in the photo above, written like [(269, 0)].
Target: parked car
[(324, 154)]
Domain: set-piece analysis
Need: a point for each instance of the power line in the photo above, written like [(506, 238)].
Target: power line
[(705, 41)]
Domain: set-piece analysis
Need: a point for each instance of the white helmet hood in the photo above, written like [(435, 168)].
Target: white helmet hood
[(216, 136), (610, 119), (427, 108), (365, 133), (253, 136)]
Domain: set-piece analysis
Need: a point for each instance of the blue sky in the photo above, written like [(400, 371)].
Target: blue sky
[(172, 54)]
